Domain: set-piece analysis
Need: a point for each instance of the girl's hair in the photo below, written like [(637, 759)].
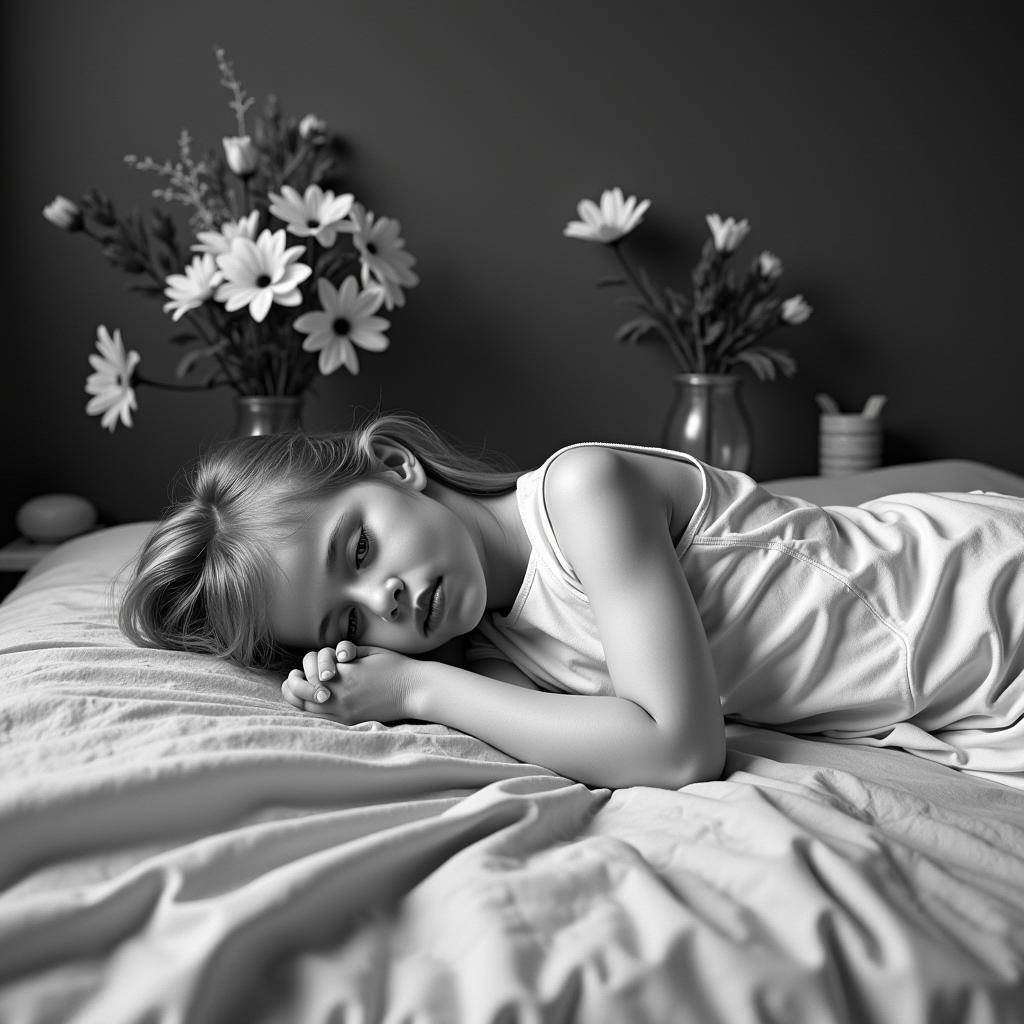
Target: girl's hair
[(199, 581)]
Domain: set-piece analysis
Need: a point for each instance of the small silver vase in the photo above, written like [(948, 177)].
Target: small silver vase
[(707, 420), (267, 414)]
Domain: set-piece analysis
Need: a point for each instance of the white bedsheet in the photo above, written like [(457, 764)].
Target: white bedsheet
[(179, 845)]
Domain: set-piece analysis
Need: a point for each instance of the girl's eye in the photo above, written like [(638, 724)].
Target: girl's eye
[(352, 627), (362, 547)]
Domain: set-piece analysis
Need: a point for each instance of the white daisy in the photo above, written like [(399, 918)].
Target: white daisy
[(391, 294), (317, 214), (111, 383), (614, 218), (258, 274), (346, 320), (382, 255), (191, 289), (796, 310), (63, 213), (313, 128), (769, 266), (727, 233), (219, 242)]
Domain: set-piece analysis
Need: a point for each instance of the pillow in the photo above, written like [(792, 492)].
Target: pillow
[(938, 475)]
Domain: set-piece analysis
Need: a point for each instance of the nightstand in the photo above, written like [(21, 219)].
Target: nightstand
[(18, 557), (21, 554)]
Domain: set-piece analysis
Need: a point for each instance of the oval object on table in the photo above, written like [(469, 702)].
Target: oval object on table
[(52, 518)]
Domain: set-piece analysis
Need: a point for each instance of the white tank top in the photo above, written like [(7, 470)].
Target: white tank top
[(841, 621)]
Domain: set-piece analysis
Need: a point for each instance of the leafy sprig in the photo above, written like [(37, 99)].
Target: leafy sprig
[(718, 325), (241, 101)]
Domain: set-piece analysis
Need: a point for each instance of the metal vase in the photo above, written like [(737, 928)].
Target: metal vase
[(707, 420), (267, 414)]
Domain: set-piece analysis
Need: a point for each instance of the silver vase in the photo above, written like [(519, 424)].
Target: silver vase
[(707, 420), (267, 414)]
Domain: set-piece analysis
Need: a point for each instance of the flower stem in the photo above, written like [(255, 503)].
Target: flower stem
[(294, 164), (226, 368), (669, 328)]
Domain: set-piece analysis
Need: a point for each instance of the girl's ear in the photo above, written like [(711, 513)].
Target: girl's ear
[(397, 461)]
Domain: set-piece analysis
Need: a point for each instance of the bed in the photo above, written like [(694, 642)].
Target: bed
[(179, 845)]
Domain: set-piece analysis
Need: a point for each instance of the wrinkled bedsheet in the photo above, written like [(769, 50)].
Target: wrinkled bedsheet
[(179, 845)]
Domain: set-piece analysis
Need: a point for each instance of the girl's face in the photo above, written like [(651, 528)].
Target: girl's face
[(379, 563)]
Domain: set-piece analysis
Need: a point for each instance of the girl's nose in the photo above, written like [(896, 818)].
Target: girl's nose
[(383, 601)]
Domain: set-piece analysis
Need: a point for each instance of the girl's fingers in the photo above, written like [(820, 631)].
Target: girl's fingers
[(291, 697), (311, 666), (346, 651), (326, 662), (303, 689)]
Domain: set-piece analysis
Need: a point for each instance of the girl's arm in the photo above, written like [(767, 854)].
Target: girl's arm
[(664, 726), (602, 741)]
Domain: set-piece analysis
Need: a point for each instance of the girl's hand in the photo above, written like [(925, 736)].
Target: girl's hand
[(352, 684)]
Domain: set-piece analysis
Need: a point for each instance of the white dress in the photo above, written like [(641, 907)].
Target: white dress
[(899, 622)]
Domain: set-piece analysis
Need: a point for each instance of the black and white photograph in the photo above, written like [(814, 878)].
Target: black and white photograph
[(512, 512)]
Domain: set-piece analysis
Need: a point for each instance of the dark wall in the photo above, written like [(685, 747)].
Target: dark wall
[(875, 147)]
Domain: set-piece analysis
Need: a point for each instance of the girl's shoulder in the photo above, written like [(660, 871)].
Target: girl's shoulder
[(578, 478)]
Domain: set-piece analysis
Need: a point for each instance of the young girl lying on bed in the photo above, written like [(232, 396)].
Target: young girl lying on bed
[(618, 602)]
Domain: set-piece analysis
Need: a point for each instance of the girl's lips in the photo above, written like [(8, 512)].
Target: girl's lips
[(435, 608)]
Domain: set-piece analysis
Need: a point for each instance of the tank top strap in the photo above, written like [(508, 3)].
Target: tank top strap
[(730, 501)]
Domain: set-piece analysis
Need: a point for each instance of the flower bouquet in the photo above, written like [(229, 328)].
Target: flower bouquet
[(258, 314), (719, 325)]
